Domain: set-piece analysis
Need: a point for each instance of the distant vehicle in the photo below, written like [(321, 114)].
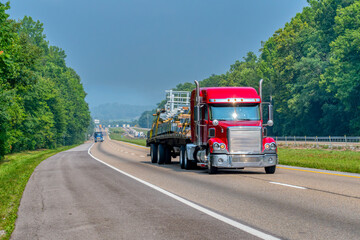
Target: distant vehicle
[(98, 136)]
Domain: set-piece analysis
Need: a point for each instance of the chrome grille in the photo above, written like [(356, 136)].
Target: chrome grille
[(244, 140), (246, 159)]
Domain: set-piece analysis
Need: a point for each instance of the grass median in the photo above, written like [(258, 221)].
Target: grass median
[(124, 138), (335, 160), (15, 171)]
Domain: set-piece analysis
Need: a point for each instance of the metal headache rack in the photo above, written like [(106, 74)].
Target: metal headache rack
[(176, 101), (175, 116)]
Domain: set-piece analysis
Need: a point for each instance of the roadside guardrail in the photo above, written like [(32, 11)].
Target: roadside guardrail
[(330, 141)]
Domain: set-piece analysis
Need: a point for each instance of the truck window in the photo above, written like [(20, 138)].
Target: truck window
[(205, 112), (238, 112)]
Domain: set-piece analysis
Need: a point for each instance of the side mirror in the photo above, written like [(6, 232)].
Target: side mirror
[(271, 112), (270, 122), (215, 122)]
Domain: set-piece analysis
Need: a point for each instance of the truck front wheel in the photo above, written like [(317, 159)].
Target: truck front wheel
[(187, 164), (153, 153), (211, 168), (182, 157), (270, 170)]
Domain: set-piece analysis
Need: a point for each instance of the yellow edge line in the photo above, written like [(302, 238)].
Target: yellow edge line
[(335, 174)]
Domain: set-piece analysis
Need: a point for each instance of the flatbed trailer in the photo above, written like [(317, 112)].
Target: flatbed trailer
[(173, 139)]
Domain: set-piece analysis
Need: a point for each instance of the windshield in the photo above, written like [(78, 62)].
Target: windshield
[(237, 112)]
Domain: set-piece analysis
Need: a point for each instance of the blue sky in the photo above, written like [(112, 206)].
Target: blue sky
[(131, 51)]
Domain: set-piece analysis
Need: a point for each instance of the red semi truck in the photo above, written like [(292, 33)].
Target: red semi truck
[(222, 129)]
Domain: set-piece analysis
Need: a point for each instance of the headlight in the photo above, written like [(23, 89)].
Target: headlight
[(267, 146), (216, 146), (273, 146), (270, 146)]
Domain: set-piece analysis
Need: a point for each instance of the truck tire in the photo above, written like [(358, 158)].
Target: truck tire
[(270, 170), (161, 154), (182, 157), (187, 163), (167, 155), (212, 169), (153, 153)]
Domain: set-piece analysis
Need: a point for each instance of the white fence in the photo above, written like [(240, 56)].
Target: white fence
[(330, 141)]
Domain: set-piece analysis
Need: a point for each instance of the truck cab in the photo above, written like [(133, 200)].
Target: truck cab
[(227, 130), (224, 130), (98, 137)]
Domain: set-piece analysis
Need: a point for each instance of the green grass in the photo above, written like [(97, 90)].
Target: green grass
[(336, 160), (118, 130), (120, 137), (15, 171)]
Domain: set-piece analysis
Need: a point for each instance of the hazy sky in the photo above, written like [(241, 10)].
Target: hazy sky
[(131, 51)]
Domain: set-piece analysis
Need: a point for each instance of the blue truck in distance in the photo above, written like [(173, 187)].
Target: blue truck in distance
[(98, 136)]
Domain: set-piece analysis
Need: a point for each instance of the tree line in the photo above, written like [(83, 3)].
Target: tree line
[(310, 67), (42, 101)]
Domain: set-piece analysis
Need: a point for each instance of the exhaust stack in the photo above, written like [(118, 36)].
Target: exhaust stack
[(197, 120), (261, 98)]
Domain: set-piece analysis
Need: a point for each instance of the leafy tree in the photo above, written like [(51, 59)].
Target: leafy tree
[(311, 69), (342, 76), (42, 101)]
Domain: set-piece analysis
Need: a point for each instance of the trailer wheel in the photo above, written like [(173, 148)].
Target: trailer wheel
[(153, 152), (270, 170), (167, 155), (161, 154), (182, 156)]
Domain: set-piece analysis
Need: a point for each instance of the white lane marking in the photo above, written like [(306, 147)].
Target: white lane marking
[(229, 221), (288, 185), (141, 156), (132, 154)]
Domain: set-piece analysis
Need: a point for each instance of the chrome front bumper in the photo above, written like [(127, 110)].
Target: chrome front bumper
[(241, 161)]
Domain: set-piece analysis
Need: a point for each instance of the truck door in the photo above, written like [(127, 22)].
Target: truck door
[(204, 123)]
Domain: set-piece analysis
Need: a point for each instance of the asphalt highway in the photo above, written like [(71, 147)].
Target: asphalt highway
[(114, 192)]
